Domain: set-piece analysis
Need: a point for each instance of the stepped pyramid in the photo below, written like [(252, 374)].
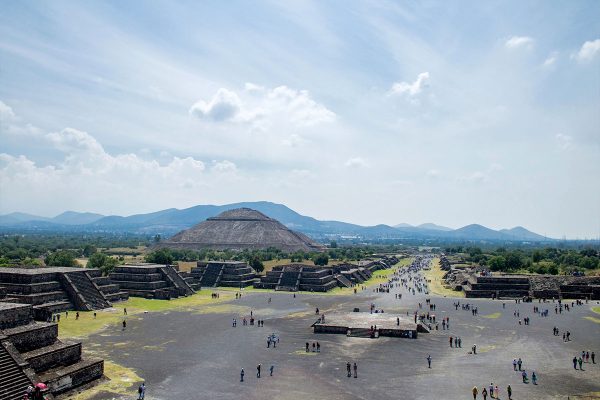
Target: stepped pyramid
[(240, 229)]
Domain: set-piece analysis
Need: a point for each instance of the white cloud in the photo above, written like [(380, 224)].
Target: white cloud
[(224, 106), (262, 106), (356, 162), (71, 140), (551, 60), (411, 89), (6, 112), (563, 141), (516, 42), (588, 51), (475, 177), (433, 174), (224, 166)]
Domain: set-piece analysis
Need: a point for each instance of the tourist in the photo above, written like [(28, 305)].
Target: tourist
[(77, 315), (524, 376), (348, 369), (355, 370), (575, 362), (580, 361), (142, 391), (519, 363), (484, 393), (475, 392), (318, 347), (514, 364), (593, 354), (271, 370), (258, 370), (242, 375), (124, 311), (534, 378), (491, 390), (124, 324), (509, 391), (497, 391), (429, 360), (307, 344)]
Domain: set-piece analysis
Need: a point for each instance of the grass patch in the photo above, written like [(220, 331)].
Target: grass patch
[(121, 381), (593, 319), (495, 315), (435, 276), (88, 325), (596, 309)]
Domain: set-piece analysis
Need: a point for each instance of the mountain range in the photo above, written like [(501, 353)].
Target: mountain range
[(170, 221)]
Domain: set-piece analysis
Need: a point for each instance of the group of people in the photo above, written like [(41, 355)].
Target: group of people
[(493, 391)]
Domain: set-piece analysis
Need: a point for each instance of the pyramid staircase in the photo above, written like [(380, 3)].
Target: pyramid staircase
[(84, 291), (289, 280), (14, 381)]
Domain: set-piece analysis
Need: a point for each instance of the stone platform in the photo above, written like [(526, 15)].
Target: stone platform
[(359, 324), (30, 353), (153, 281), (55, 289)]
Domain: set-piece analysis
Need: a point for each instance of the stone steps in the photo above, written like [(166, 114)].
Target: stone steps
[(33, 335), (90, 292), (14, 382), (52, 356), (61, 379)]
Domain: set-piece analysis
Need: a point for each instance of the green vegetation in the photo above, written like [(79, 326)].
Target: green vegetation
[(103, 262), (540, 261), (61, 258)]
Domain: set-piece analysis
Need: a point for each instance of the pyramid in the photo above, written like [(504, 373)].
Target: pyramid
[(241, 229)]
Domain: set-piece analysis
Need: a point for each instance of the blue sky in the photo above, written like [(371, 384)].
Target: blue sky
[(367, 112)]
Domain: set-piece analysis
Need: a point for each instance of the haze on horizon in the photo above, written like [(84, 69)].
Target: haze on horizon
[(363, 112)]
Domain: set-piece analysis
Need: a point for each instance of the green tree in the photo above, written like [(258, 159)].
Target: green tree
[(61, 258), (102, 262), (333, 244), (89, 249), (161, 256), (497, 263), (257, 264), (321, 259), (588, 262)]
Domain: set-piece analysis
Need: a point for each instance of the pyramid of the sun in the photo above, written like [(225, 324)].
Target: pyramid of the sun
[(240, 229)]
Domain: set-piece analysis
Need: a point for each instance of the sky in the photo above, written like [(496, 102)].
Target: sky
[(365, 112)]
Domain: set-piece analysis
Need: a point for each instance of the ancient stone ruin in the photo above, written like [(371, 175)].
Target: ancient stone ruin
[(152, 281), (56, 289), (241, 229), (30, 353), (223, 273)]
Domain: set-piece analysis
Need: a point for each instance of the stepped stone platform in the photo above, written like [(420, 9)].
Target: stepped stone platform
[(538, 286), (358, 324), (295, 277), (224, 273), (152, 281), (30, 353), (56, 289)]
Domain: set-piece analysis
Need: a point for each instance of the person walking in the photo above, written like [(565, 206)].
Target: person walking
[(509, 391), (580, 361), (242, 375), (355, 371), (349, 369), (593, 357), (142, 391), (514, 364), (484, 393), (475, 392), (534, 378), (520, 363), (575, 362), (271, 370), (429, 360), (258, 370)]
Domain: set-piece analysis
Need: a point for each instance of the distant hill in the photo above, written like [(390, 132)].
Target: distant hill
[(434, 227), (170, 221), (76, 218), (520, 233)]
